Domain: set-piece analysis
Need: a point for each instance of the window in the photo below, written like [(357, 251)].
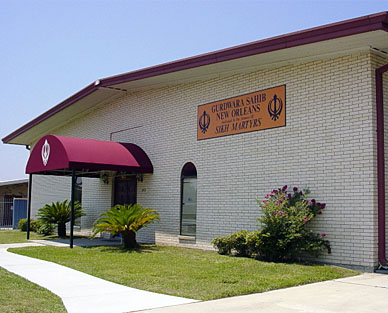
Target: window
[(78, 197), (188, 200)]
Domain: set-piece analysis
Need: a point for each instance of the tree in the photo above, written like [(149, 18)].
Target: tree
[(125, 220), (60, 213)]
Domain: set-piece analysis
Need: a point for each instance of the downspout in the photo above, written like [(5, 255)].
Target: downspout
[(380, 166)]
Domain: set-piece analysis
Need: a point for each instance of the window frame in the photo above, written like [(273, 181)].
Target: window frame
[(78, 187), (183, 176)]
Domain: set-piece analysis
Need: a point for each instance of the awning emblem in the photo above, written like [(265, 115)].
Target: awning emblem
[(45, 152)]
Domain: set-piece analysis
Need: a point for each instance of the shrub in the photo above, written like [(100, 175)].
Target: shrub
[(235, 243), (284, 235), (239, 243), (59, 213), (223, 244), (46, 229), (34, 224), (22, 224), (254, 244), (125, 220)]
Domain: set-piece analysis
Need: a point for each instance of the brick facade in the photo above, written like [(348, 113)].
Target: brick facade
[(328, 145), (18, 190)]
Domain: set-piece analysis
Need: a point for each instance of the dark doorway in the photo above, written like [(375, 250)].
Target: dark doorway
[(125, 190)]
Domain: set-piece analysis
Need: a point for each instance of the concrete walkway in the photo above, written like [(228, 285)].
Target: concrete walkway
[(367, 293), (80, 292)]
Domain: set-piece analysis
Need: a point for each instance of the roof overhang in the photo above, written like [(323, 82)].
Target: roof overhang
[(13, 182), (351, 36), (57, 155)]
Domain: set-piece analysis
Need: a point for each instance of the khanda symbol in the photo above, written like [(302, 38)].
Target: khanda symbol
[(204, 122), (45, 152), (275, 107)]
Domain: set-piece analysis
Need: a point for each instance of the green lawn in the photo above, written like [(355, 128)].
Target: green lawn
[(20, 295), (16, 236), (183, 272)]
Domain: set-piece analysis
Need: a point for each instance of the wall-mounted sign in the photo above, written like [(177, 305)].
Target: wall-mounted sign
[(254, 111)]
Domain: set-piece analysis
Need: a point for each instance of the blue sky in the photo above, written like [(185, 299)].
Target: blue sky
[(51, 49)]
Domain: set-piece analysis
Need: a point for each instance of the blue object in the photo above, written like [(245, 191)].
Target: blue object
[(19, 211)]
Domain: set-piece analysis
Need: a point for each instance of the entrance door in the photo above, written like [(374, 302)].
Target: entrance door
[(189, 206), (125, 190)]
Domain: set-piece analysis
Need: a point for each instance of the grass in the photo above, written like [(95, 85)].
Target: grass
[(20, 295), (17, 236), (189, 273)]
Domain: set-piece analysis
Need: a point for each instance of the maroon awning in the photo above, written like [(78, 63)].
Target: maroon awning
[(57, 154)]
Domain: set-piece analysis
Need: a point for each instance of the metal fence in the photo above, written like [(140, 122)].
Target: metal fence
[(11, 211), (6, 212)]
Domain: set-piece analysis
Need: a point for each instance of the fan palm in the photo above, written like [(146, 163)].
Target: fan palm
[(125, 220), (60, 213)]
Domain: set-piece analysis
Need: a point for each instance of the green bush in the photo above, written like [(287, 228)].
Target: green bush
[(239, 243), (254, 244), (223, 244), (235, 243), (34, 224), (22, 224), (46, 229)]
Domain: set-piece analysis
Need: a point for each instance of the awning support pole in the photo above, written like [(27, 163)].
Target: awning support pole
[(29, 206), (73, 178)]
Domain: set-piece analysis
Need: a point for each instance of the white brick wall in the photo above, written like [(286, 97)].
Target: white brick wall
[(96, 198), (328, 145), (47, 189)]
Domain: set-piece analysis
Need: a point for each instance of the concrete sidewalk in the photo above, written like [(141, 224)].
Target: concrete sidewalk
[(80, 292), (367, 293)]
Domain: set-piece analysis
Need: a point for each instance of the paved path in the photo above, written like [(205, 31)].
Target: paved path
[(80, 292), (367, 293)]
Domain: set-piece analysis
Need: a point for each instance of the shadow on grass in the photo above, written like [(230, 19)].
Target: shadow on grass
[(121, 249), (56, 237)]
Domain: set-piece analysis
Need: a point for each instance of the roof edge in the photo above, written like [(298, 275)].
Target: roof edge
[(378, 21), (13, 182)]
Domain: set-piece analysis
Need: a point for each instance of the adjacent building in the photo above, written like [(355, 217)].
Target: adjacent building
[(10, 190)]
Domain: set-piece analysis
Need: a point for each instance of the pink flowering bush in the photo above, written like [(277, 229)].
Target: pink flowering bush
[(284, 235)]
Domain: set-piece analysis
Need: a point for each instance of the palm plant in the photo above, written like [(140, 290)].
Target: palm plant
[(125, 220), (60, 213)]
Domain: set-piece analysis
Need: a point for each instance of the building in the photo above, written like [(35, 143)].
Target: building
[(224, 128), (10, 190)]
